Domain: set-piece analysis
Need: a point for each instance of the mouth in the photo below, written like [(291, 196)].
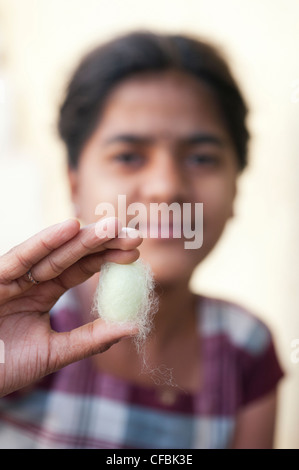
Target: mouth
[(159, 231)]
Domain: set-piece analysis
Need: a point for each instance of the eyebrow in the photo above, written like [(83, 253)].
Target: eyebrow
[(193, 139)]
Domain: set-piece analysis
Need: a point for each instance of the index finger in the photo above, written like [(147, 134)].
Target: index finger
[(17, 261)]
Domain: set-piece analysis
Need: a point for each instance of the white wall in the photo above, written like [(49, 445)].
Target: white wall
[(256, 263)]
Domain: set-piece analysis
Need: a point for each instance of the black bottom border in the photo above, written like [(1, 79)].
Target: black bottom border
[(149, 458)]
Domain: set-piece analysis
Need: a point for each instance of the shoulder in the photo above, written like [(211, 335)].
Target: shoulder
[(244, 341), (242, 328)]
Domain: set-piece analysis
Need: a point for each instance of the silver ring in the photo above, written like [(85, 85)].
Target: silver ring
[(31, 278)]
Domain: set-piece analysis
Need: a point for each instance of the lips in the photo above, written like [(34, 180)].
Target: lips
[(161, 231)]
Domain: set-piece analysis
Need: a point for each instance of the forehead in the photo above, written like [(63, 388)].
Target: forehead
[(167, 104)]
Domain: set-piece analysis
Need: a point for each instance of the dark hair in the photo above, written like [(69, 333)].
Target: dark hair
[(142, 51)]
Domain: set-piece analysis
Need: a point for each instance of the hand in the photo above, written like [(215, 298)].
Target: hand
[(59, 257)]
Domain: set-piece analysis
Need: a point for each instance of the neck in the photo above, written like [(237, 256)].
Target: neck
[(175, 312)]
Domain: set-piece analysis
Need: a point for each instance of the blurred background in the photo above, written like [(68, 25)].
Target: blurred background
[(257, 261)]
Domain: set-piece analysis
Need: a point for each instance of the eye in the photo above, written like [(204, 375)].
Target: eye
[(128, 158), (198, 159)]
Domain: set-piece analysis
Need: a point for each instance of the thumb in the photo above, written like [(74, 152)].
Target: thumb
[(93, 338)]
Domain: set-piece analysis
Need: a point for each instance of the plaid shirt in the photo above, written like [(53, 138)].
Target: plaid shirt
[(81, 407)]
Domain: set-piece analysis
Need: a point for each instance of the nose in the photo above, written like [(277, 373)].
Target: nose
[(165, 180)]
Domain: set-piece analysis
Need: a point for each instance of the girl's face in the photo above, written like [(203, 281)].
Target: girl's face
[(161, 139)]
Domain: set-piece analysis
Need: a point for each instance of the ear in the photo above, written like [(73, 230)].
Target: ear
[(73, 185)]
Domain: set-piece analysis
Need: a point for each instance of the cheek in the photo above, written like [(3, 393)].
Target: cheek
[(217, 205), (88, 196), (96, 189)]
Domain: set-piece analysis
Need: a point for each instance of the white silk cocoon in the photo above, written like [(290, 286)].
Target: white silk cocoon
[(125, 294)]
